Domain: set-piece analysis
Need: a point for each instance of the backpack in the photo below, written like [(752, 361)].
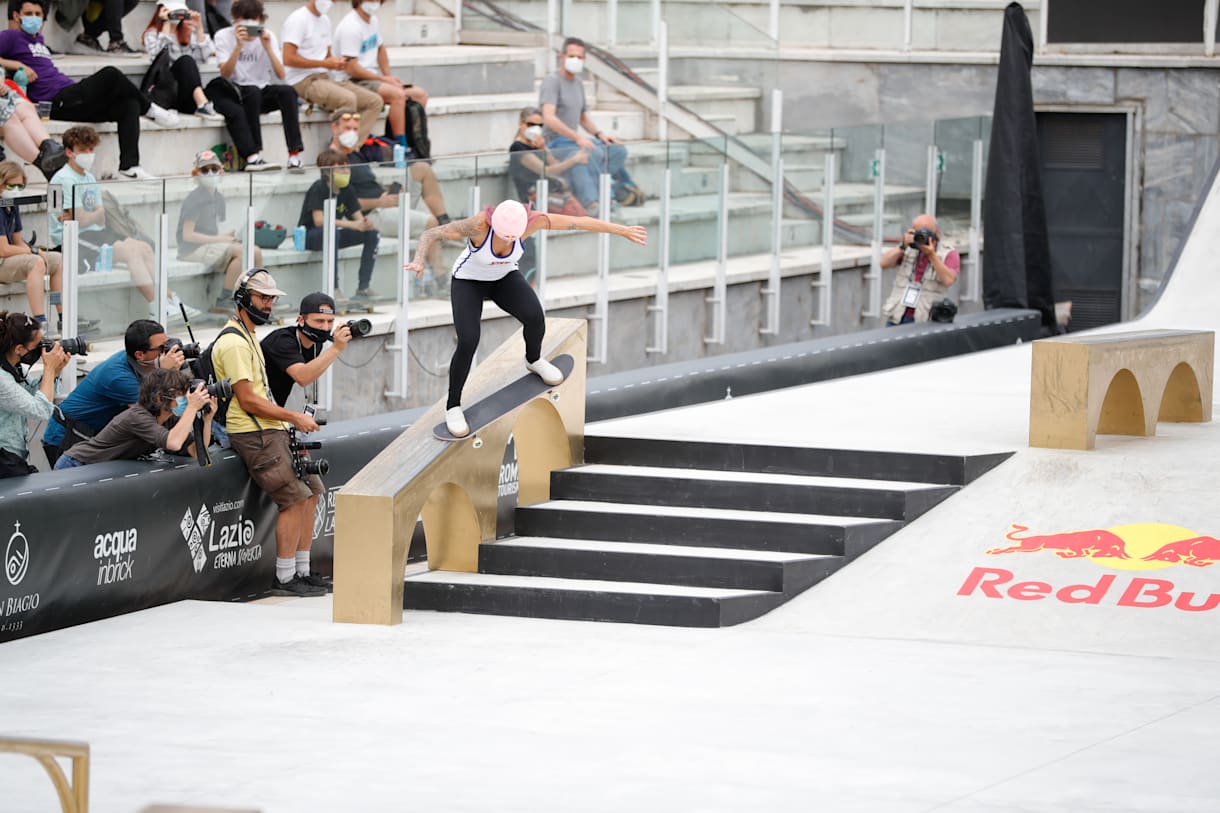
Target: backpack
[(376, 150), (159, 83), (417, 131), (205, 370)]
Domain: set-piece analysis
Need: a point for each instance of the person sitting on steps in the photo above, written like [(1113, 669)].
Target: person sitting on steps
[(179, 32), (352, 228), (487, 269), (25, 134)]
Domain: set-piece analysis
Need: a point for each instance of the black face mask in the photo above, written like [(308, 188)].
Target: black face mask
[(33, 356), (314, 334)]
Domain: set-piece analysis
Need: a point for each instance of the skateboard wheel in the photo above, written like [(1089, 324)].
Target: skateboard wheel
[(478, 442), (554, 396)]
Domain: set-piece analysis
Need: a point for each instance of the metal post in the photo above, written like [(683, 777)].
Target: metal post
[(660, 306), (1210, 8), (457, 21), (400, 373), (1043, 16), (932, 180), (874, 273), (612, 23), (71, 249), (601, 308), (161, 263), (771, 292), (773, 28), (662, 79), (247, 252), (552, 7), (826, 277), (475, 199), (907, 24), (656, 22), (543, 188), (974, 286), (565, 22), (322, 390), (55, 206), (719, 298)]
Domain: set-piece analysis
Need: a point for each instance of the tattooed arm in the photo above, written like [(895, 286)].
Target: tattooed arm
[(471, 228), (636, 234)]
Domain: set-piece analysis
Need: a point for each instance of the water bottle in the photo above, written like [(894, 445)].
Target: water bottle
[(21, 79), (400, 156), (298, 238), (105, 258)]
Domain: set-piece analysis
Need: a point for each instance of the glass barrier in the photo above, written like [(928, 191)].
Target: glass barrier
[(955, 139), (290, 250), (906, 172), (855, 191), (804, 155)]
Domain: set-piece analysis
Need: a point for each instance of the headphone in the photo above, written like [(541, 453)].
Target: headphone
[(241, 295)]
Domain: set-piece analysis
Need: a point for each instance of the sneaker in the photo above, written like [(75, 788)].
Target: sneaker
[(138, 173), (365, 293), (208, 112), (88, 42), (318, 580), (549, 373), (223, 304), (260, 165), (166, 118), (84, 326), (297, 587), (120, 48), (455, 422), (340, 296), (294, 161), (176, 306)]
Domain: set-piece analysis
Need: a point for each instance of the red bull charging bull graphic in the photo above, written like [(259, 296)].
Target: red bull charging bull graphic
[(1134, 547)]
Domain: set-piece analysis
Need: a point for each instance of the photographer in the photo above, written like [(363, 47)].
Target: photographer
[(21, 396), (295, 354), (258, 432), (165, 395), (112, 386), (915, 290)]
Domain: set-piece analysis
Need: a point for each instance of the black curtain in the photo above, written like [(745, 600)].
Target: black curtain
[(1017, 264)]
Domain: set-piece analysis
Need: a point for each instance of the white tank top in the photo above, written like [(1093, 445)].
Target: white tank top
[(482, 264)]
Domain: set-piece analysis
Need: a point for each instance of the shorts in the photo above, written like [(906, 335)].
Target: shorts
[(371, 84), (212, 256), (17, 268), (269, 461), (91, 242)]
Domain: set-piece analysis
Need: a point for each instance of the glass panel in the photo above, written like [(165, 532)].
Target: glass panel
[(906, 162), (696, 167), (955, 139), (804, 173), (855, 187), (276, 202)]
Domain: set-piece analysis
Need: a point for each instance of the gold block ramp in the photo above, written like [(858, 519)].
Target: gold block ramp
[(74, 795), (1118, 384), (454, 484)]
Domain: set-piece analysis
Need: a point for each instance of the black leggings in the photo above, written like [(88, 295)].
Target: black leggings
[(515, 297), (186, 73)]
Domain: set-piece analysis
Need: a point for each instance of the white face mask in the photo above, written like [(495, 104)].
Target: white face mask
[(209, 181), (323, 6), (348, 138), (370, 8), (533, 132), (573, 64), (85, 160)]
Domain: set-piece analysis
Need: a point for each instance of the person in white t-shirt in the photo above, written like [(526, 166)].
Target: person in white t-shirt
[(318, 76), (358, 40), (251, 70)]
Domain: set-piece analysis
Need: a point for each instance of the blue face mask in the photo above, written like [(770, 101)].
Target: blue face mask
[(31, 24), (179, 405)]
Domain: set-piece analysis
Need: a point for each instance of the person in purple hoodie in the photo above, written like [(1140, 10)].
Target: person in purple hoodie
[(103, 96)]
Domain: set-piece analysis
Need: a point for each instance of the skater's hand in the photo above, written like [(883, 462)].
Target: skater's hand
[(303, 422), (636, 234), (415, 267)]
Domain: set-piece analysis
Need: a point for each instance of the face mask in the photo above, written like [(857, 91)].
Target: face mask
[(314, 334), (179, 405), (342, 180), (209, 181), (32, 356), (349, 138), (323, 6), (370, 8), (31, 24), (533, 133), (84, 160), (573, 64)]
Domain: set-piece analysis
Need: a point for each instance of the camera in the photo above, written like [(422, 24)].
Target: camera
[(179, 15), (75, 346), (189, 350), (360, 327), (299, 449), (923, 237), (221, 390), (253, 30)]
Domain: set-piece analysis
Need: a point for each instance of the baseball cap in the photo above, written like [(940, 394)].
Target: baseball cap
[(207, 158), (261, 282), (174, 5), (317, 302)]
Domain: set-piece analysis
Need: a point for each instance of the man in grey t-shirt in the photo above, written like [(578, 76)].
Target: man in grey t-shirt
[(562, 100)]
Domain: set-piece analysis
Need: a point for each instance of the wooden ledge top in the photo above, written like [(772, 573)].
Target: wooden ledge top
[(1133, 336)]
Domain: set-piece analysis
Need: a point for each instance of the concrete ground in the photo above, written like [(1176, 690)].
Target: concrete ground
[(920, 678)]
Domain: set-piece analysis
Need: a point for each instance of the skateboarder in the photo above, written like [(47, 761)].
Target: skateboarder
[(487, 269)]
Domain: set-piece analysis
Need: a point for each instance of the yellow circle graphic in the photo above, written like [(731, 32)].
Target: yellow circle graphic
[(1144, 539)]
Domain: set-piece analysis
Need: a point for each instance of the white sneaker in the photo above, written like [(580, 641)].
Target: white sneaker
[(260, 164), (455, 422), (294, 161), (175, 305), (549, 373), (137, 172), (166, 118)]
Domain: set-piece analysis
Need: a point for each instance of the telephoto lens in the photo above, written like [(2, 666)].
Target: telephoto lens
[(74, 346), (190, 350), (360, 327), (221, 390)]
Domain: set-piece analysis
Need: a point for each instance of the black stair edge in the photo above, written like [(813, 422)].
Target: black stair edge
[(866, 536), (923, 500), (587, 605), (864, 464)]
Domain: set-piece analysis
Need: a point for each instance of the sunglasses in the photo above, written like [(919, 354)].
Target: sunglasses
[(209, 170), (15, 187), (349, 117), (534, 123)]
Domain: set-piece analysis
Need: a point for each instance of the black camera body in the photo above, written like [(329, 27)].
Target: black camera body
[(301, 463), (360, 327), (74, 346), (923, 237), (253, 30), (221, 390), (179, 15), (190, 350)]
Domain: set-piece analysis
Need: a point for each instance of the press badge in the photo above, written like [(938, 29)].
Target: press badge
[(910, 297)]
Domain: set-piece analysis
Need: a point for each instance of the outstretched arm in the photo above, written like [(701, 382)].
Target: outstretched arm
[(474, 227), (636, 234)]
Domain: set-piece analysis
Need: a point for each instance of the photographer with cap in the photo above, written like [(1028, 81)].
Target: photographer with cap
[(915, 289), (295, 354), (258, 432), (111, 387)]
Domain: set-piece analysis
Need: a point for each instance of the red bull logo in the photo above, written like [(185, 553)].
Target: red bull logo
[(1140, 546)]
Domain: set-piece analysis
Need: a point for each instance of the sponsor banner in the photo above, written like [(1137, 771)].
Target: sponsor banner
[(506, 491)]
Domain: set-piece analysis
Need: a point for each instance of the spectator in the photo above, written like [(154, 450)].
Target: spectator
[(103, 96), (110, 22), (915, 291), (307, 58), (112, 386), (358, 40), (251, 70), (200, 239), (145, 426), (25, 134), (344, 127), (352, 227), (180, 34), (19, 262), (23, 397), (562, 99), (83, 202)]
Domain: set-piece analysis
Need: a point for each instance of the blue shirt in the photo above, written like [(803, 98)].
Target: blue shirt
[(10, 221), (88, 197), (104, 393)]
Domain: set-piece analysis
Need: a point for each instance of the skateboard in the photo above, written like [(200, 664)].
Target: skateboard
[(502, 400)]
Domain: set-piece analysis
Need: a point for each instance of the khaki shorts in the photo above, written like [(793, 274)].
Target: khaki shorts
[(269, 461), (370, 84), (211, 255), (16, 269)]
